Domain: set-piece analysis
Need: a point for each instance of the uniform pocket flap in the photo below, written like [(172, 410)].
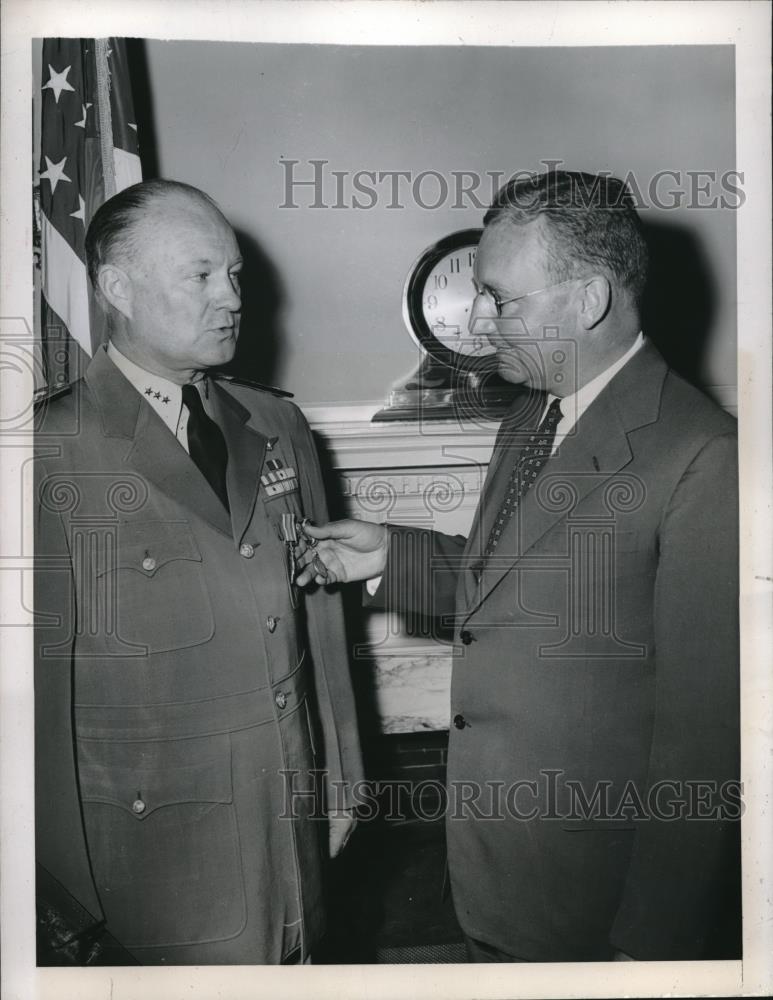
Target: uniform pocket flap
[(141, 790), (146, 546)]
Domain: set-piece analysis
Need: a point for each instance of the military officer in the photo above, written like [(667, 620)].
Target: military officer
[(192, 707)]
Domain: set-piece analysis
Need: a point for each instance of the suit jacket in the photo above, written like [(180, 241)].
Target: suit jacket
[(185, 691), (595, 676)]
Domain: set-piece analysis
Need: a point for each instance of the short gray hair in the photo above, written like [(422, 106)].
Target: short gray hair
[(590, 220)]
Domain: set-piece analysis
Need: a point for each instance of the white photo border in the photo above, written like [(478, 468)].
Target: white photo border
[(592, 23)]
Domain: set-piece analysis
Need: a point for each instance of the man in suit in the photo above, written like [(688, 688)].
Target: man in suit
[(188, 696), (593, 752)]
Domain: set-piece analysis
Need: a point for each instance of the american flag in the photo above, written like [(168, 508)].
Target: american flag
[(88, 152)]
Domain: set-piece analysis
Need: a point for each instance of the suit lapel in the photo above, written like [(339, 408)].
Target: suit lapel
[(246, 452), (158, 456), (595, 451), (152, 451), (506, 450)]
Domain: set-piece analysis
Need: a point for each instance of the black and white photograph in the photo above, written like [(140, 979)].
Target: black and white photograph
[(386, 484)]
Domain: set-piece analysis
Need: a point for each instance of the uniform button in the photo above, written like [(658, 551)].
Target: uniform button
[(271, 623), (281, 699), (138, 807), (466, 637), (459, 721), (246, 550), (149, 564)]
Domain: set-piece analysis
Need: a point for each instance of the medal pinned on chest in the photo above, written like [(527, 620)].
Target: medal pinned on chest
[(280, 487), (289, 529)]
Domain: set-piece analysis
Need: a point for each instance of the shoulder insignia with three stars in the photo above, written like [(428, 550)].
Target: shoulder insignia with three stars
[(250, 384), (46, 395)]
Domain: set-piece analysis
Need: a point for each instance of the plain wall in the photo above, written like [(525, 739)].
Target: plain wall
[(323, 286)]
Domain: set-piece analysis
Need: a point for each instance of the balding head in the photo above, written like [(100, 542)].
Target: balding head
[(122, 225), (165, 263)]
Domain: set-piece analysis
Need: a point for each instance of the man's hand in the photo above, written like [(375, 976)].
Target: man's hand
[(342, 551), (341, 826)]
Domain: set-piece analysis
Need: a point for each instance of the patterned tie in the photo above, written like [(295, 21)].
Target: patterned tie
[(529, 465), (206, 443)]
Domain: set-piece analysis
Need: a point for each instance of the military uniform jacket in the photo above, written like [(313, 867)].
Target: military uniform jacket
[(596, 662), (185, 690)]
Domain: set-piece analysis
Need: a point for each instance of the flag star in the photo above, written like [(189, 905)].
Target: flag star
[(54, 172), (81, 213), (165, 399), (82, 122), (157, 395), (148, 391), (58, 82)]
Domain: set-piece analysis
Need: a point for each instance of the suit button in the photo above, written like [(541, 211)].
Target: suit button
[(246, 550), (138, 807), (466, 637), (281, 699), (459, 721), (271, 623), (149, 564)]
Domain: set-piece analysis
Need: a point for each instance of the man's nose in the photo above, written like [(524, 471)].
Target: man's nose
[(228, 295), (481, 322)]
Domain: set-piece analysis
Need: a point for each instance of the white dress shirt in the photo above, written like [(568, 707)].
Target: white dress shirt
[(574, 405)]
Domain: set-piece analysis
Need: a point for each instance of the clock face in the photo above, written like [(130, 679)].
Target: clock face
[(438, 299)]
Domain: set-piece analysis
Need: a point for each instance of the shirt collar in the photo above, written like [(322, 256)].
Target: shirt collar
[(164, 396), (574, 405)]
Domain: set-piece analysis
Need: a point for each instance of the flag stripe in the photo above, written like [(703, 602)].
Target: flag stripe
[(89, 150), (65, 285), (127, 168)]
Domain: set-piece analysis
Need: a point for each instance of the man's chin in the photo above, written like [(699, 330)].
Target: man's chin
[(224, 350), (513, 371)]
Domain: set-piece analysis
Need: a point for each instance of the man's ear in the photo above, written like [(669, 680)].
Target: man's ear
[(596, 301), (116, 286)]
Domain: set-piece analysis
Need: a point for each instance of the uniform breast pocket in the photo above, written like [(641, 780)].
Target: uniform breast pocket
[(154, 582), (163, 840)]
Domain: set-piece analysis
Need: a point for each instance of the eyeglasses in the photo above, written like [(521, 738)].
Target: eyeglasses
[(500, 303)]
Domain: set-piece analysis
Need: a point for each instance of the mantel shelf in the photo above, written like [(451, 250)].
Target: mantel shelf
[(356, 443)]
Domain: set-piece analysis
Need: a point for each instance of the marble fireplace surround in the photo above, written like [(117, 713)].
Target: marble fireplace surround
[(427, 474)]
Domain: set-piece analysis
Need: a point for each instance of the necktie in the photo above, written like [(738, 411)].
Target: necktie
[(525, 471), (206, 443)]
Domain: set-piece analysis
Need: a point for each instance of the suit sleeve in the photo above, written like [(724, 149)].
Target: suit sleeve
[(423, 566), (60, 836), (328, 648), (421, 573), (672, 898)]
